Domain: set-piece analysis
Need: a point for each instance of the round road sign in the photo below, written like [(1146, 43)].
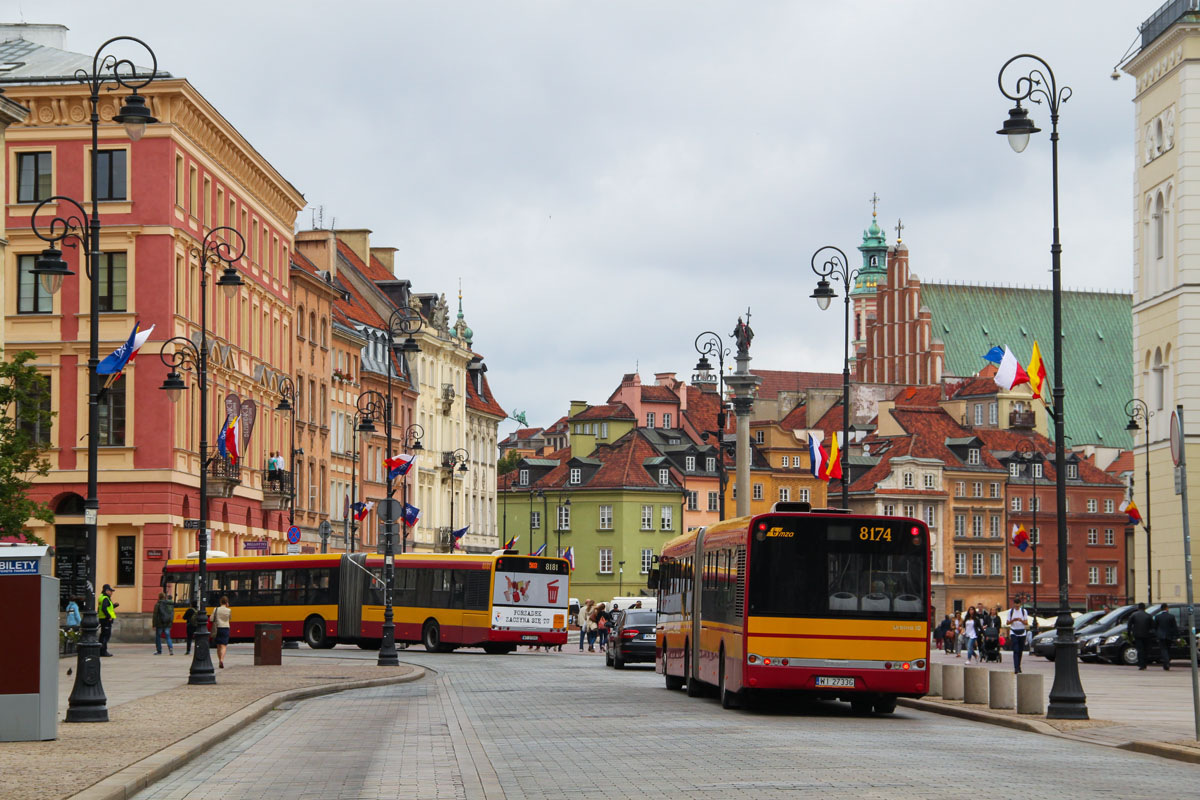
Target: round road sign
[(293, 535), (1176, 438)]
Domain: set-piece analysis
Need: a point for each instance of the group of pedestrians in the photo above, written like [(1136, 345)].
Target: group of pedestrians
[(595, 621), (960, 632), (1145, 629)]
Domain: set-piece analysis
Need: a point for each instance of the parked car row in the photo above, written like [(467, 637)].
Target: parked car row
[(1104, 637)]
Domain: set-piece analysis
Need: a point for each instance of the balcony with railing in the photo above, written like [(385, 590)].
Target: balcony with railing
[(1018, 418), (277, 489), (223, 474)]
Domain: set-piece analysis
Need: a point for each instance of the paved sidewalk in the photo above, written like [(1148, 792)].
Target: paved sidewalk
[(157, 722), (1129, 708)]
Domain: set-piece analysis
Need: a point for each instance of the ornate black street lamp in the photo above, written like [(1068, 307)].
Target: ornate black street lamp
[(454, 461), (837, 266), (287, 403), (371, 406), (179, 353), (410, 443), (1067, 698), (710, 344), (1138, 410), (88, 702)]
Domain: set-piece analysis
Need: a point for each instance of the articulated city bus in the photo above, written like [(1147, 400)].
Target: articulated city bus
[(814, 601), (443, 601)]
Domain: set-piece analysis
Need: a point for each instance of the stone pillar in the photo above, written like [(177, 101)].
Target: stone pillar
[(975, 685), (1031, 693), (743, 385), (935, 679), (1001, 687), (952, 681)]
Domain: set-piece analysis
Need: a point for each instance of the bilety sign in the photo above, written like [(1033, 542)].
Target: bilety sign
[(18, 566), (261, 545)]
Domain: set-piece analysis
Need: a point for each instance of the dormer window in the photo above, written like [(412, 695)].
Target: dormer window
[(1072, 471), (973, 456), (1037, 470), (603, 430), (1014, 469), (576, 475), (690, 463), (710, 464), (523, 477), (664, 477), (758, 437)]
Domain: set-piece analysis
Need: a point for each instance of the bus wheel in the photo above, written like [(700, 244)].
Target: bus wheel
[(728, 699), (674, 682), (694, 689), (431, 636), (496, 648), (885, 705), (314, 633), (861, 706)]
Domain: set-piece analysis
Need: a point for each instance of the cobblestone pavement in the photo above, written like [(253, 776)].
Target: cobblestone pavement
[(538, 725)]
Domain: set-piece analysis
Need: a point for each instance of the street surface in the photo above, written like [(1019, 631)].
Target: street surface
[(549, 725)]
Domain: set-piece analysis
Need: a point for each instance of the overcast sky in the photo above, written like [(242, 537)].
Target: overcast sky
[(611, 178)]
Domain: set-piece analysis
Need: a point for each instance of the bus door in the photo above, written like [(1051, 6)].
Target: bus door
[(352, 594), (692, 604)]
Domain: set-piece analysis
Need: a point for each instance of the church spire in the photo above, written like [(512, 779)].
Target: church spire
[(874, 250), (460, 327)]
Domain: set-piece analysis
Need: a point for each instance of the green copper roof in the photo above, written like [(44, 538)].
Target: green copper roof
[(874, 244), (1097, 346)]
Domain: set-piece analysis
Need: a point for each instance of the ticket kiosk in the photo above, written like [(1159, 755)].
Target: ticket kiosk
[(29, 655)]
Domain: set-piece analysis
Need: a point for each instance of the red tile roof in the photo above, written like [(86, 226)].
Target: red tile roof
[(930, 427), (899, 446), (1122, 463), (976, 387), (484, 401), (796, 419), (304, 264), (1009, 440), (622, 465), (776, 381), (607, 411), (919, 396), (658, 394), (702, 410)]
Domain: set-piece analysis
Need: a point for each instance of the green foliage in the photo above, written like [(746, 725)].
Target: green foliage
[(508, 463), (24, 410)]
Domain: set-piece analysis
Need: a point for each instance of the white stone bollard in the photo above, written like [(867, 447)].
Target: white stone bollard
[(935, 679), (1001, 687), (1031, 694), (952, 681), (975, 685)]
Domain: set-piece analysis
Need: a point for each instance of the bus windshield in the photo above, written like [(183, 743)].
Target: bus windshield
[(813, 567)]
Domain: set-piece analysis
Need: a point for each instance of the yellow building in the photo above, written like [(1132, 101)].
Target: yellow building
[(781, 470)]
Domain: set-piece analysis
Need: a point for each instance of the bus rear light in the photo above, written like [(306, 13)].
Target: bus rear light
[(915, 531), (887, 665), (767, 662), (920, 664), (784, 662), (906, 666), (753, 659), (754, 681)]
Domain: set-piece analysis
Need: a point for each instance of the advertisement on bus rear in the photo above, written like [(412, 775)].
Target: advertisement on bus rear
[(529, 601)]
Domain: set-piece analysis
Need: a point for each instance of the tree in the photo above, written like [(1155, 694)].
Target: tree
[(508, 463), (25, 418)]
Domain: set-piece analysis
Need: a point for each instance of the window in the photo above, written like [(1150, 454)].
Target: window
[(973, 455), (977, 563), (1035, 535), (785, 494), (647, 560), (1109, 537), (993, 413), (960, 489), (1093, 575), (693, 501), (1035, 574), (804, 496), (908, 480), (889, 510), (786, 461), (112, 281), (714, 501), (1093, 536), (758, 437), (1073, 471), (606, 561), (664, 476), (523, 477), (564, 517), (1014, 469), (977, 489), (960, 563), (689, 463), (39, 422), (112, 415), (1108, 506), (910, 510), (758, 491), (1110, 576), (930, 515), (34, 174), (31, 298), (1017, 573), (647, 518), (666, 420), (994, 564), (576, 474), (977, 525), (535, 520), (979, 413), (649, 424), (606, 518), (710, 464), (1015, 503), (1035, 504), (930, 482), (960, 524), (1092, 506), (995, 526), (667, 519), (993, 490), (110, 174)]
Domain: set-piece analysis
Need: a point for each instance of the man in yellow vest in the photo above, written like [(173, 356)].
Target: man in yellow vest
[(106, 609)]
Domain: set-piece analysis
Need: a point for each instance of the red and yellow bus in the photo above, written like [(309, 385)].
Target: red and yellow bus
[(443, 601), (823, 602)]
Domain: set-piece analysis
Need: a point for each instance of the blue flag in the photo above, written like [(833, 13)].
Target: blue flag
[(458, 534), (995, 355), (411, 514)]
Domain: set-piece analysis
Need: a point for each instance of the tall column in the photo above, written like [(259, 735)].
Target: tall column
[(743, 386)]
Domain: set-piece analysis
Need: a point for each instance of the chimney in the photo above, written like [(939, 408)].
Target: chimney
[(358, 240), (576, 407), (318, 247), (385, 256), (46, 35)]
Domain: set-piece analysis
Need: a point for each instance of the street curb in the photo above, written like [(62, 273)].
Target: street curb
[(140, 774), (1164, 750)]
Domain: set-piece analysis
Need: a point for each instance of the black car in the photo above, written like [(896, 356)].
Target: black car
[(1043, 643), (1116, 646), (1109, 620), (632, 638)]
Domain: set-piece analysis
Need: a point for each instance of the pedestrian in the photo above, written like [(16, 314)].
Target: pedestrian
[(972, 630), (593, 627), (603, 624), (956, 633), (221, 618), (164, 617), (189, 621), (273, 466), (1167, 629), (1141, 628), (583, 617), (939, 633), (106, 610), (1018, 624), (73, 618)]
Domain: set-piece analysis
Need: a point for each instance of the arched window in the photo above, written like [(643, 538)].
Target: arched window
[(324, 337), (300, 322), (1159, 236), (1156, 381), (312, 327)]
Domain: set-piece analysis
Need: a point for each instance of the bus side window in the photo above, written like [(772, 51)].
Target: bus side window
[(458, 587)]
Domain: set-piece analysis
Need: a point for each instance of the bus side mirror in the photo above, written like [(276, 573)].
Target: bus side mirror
[(652, 579)]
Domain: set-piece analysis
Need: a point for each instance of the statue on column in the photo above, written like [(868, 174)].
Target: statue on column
[(742, 334)]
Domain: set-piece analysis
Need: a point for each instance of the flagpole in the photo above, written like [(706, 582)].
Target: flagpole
[(837, 266)]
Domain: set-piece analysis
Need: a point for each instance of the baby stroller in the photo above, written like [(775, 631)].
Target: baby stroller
[(990, 651)]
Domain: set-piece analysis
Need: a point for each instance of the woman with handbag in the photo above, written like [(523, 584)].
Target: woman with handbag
[(593, 627), (221, 618), (604, 623)]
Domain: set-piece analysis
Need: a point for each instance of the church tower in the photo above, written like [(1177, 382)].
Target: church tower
[(872, 273)]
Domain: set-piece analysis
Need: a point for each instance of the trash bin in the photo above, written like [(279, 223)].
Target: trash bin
[(268, 644)]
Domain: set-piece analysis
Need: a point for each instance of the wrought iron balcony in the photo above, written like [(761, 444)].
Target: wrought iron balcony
[(1021, 419), (223, 474), (277, 489)]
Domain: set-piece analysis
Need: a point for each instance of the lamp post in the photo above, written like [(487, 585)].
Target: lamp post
[(186, 355), (837, 266), (410, 442), (455, 461), (88, 702), (1137, 409), (710, 344), (352, 522), (287, 403), (371, 405), (563, 502), (620, 579), (1067, 698), (1028, 454)]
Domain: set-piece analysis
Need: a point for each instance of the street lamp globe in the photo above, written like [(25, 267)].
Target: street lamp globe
[(823, 294), (1017, 128), (135, 116), (173, 386), (51, 269), (230, 281)]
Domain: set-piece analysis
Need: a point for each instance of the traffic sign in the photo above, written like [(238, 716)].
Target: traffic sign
[(191, 523), (293, 550), (389, 510), (1176, 439), (324, 529), (293, 536)]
